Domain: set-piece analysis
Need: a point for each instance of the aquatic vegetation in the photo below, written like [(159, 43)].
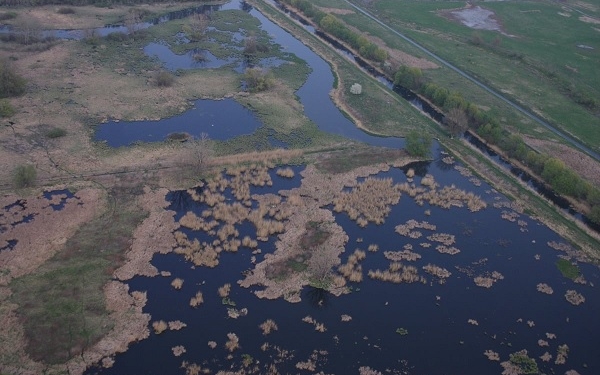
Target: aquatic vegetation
[(373, 248), (235, 313), (402, 331), (268, 326), (285, 172), (397, 273), (473, 322), (568, 269), (191, 368), (437, 271), (543, 343), (546, 357), (562, 354), (346, 318), (177, 283), (159, 326), (520, 363), (574, 298), (176, 325), (397, 256), (545, 288)]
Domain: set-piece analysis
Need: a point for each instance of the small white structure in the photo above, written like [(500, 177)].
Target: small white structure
[(356, 89)]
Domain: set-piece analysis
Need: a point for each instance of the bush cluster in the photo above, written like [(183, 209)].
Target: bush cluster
[(11, 84)]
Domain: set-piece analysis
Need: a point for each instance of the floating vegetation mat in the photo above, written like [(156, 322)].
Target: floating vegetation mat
[(375, 270)]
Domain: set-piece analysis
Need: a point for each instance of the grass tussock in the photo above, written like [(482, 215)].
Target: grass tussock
[(197, 300), (268, 326), (177, 283)]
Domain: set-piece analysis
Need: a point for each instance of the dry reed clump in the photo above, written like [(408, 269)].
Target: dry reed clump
[(397, 256), (346, 318), (373, 248), (212, 344), (224, 290), (492, 355), (444, 238), (473, 322), (235, 313), (510, 216), (178, 350), (318, 326), (546, 357), (562, 354), (369, 201), (447, 197), (366, 370), (487, 281), (425, 244), (268, 326), (200, 254), (550, 336), (447, 249), (191, 368), (352, 270), (398, 273), (108, 362), (309, 365), (410, 173), (450, 160), (249, 242), (434, 270), (233, 343), (543, 343), (569, 250), (176, 325), (531, 323), (285, 172), (177, 283), (574, 298), (545, 288), (197, 300), (159, 326), (407, 228)]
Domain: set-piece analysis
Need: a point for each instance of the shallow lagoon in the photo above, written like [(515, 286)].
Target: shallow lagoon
[(439, 341)]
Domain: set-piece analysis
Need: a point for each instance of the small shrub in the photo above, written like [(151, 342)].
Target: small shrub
[(11, 84), (356, 89), (418, 144), (258, 80), (24, 176), (6, 109), (66, 10), (164, 79), (56, 133), (5, 16)]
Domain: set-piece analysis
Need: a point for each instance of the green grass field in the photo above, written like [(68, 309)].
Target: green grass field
[(537, 60)]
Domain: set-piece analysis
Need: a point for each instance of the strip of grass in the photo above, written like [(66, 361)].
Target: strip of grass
[(62, 305)]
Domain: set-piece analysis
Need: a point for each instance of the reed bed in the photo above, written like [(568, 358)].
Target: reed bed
[(397, 273), (444, 238), (352, 270), (368, 201), (235, 313), (574, 298), (268, 326), (373, 248), (447, 249), (405, 254), (346, 318), (232, 343), (285, 172), (473, 322), (197, 300), (437, 271), (546, 357), (212, 344), (487, 281), (191, 368), (177, 283), (543, 343), (407, 229), (447, 197), (544, 288)]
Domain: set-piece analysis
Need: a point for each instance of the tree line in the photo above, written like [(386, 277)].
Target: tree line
[(337, 28), (462, 115)]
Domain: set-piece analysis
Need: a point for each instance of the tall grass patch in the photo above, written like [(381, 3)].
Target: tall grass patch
[(62, 305)]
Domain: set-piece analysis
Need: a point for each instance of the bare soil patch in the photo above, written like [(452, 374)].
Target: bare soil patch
[(474, 17)]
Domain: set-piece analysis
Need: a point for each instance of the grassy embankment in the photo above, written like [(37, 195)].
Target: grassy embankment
[(530, 62)]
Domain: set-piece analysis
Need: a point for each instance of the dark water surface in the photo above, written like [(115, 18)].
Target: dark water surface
[(439, 339)]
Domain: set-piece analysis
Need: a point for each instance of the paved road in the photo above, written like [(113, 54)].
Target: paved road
[(527, 113)]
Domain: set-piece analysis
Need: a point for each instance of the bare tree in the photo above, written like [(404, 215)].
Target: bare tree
[(196, 28), (457, 121), (132, 21), (201, 152)]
